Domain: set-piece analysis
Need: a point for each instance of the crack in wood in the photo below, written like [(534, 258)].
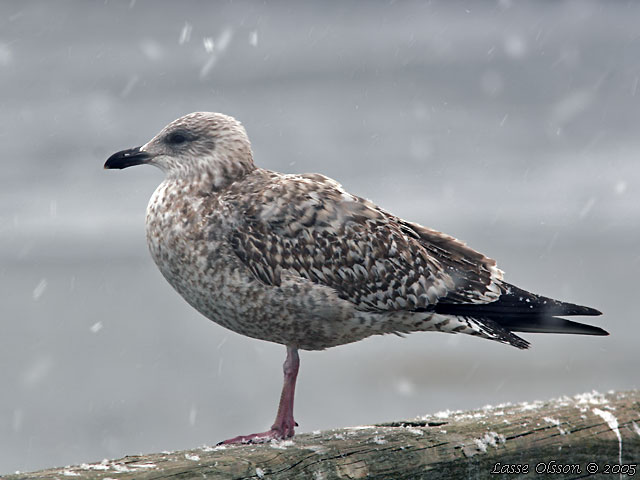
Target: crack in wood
[(413, 423)]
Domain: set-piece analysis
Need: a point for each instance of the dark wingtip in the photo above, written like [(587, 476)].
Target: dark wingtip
[(582, 310)]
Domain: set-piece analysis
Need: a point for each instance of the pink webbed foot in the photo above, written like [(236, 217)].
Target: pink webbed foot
[(284, 425), (276, 433)]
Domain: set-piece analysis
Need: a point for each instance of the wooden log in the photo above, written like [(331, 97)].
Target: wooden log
[(591, 435)]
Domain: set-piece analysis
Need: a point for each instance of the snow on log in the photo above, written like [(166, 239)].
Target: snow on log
[(586, 435)]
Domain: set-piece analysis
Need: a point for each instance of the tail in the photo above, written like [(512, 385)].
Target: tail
[(517, 310)]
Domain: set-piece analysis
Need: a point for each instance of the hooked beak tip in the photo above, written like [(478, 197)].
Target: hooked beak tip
[(127, 158)]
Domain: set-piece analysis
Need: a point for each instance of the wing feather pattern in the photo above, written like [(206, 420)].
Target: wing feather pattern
[(309, 225)]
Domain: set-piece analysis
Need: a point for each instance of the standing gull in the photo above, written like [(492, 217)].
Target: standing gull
[(296, 260)]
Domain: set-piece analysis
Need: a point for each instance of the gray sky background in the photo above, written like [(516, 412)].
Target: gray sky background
[(510, 125)]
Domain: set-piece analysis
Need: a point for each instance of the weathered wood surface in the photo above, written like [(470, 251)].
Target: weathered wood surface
[(577, 433)]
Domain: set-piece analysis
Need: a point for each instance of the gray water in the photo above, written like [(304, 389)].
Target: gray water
[(512, 126)]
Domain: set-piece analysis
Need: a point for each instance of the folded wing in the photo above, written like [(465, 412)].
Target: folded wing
[(308, 225)]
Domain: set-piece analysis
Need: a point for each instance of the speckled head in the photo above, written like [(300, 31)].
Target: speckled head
[(200, 144)]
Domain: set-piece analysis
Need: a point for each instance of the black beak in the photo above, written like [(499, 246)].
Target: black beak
[(127, 158)]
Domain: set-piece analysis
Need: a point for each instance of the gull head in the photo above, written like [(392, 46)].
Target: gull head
[(197, 145)]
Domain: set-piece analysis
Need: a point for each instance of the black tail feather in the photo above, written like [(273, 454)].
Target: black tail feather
[(520, 311), (548, 325), (517, 302)]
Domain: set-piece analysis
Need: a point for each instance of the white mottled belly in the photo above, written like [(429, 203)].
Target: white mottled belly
[(188, 244), (187, 238)]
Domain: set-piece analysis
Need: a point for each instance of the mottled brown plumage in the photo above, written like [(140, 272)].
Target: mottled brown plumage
[(296, 260), (308, 225)]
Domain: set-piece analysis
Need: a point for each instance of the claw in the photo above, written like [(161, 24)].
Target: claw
[(284, 425), (263, 437)]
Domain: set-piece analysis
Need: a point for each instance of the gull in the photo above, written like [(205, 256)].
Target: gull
[(297, 260)]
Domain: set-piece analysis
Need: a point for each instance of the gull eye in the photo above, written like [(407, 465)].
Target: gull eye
[(176, 138)]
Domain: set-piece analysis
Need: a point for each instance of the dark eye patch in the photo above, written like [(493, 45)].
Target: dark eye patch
[(178, 138)]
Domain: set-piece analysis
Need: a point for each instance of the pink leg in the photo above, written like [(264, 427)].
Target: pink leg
[(284, 425)]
